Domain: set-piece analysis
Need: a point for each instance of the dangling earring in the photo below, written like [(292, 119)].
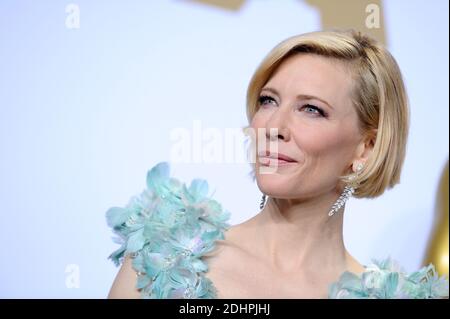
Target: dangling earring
[(263, 201), (346, 193)]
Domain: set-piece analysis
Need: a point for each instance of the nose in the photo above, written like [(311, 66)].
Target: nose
[(279, 121)]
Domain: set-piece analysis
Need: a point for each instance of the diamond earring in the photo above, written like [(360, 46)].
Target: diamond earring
[(346, 193)]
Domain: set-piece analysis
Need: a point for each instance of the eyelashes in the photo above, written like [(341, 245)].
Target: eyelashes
[(265, 99)]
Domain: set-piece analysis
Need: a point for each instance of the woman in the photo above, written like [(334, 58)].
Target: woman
[(334, 107)]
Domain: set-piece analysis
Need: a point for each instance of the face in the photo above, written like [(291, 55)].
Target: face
[(308, 101)]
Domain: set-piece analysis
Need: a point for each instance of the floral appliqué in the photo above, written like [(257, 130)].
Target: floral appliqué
[(166, 230), (385, 279)]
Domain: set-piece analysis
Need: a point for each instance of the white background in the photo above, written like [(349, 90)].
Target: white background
[(84, 113)]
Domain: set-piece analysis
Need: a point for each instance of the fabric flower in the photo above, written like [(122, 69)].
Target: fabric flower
[(385, 279), (167, 230)]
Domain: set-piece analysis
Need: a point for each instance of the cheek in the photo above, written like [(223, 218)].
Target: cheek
[(319, 142), (258, 120), (258, 126), (326, 148)]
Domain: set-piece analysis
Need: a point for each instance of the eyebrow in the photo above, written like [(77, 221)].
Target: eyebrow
[(300, 96)]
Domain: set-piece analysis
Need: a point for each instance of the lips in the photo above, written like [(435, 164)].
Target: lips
[(269, 159)]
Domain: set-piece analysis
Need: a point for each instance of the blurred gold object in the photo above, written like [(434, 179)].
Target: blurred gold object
[(362, 15), (354, 14), (232, 5), (437, 252)]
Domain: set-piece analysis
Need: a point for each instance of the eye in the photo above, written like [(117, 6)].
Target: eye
[(265, 99), (314, 109)]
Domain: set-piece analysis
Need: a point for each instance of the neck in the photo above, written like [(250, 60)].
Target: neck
[(300, 235)]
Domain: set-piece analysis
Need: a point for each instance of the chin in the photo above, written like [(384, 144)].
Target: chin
[(275, 185)]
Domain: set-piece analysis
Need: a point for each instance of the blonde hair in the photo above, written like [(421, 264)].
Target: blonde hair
[(379, 97)]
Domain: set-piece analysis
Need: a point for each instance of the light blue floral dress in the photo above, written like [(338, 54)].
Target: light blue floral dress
[(170, 226)]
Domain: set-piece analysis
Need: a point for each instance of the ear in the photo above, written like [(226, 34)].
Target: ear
[(364, 149)]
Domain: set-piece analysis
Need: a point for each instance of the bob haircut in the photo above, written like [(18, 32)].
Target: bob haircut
[(378, 95)]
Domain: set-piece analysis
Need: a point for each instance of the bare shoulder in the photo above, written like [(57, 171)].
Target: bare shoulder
[(230, 261), (124, 285), (354, 265), (236, 242), (230, 248)]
